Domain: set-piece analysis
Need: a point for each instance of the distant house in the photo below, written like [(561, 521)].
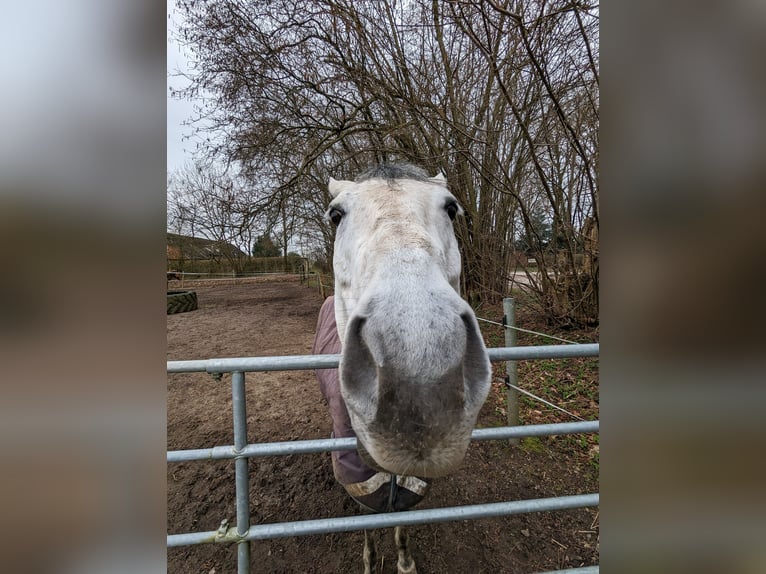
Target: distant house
[(197, 248)]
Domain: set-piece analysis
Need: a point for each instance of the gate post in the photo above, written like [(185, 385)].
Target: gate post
[(239, 408), (509, 320)]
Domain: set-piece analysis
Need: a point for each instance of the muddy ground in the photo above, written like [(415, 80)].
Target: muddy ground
[(253, 318)]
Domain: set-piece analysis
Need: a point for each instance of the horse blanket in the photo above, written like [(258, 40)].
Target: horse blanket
[(376, 491)]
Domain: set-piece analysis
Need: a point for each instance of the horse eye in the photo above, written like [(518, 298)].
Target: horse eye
[(451, 208), (335, 215)]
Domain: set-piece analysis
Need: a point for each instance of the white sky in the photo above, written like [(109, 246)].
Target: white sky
[(178, 151)]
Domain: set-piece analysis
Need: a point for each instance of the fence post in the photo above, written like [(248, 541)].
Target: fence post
[(509, 320), (241, 479), (321, 285)]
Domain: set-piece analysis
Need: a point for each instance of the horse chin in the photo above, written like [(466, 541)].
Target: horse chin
[(434, 464)]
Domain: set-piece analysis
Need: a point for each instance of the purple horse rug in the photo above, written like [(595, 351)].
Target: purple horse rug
[(373, 490)]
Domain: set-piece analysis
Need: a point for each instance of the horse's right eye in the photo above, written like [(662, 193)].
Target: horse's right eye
[(452, 210), (335, 215)]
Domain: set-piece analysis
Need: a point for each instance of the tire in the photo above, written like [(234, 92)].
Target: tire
[(181, 301)]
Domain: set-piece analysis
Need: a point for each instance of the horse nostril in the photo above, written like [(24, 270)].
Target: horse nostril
[(477, 369), (358, 372)]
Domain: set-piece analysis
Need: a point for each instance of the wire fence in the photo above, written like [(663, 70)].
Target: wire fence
[(515, 328), (244, 532)]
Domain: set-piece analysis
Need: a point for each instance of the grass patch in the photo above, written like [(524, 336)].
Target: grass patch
[(532, 444), (571, 384)]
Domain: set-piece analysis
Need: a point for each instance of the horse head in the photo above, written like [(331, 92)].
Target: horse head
[(414, 371)]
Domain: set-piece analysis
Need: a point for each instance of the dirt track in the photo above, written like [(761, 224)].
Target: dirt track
[(278, 318)]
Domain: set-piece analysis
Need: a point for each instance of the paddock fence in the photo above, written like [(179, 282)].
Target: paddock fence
[(243, 532), (322, 282)]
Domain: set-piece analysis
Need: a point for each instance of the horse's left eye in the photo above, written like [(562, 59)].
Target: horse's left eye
[(451, 208)]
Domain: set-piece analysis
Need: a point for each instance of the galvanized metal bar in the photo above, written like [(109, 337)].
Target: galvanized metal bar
[(330, 444), (527, 353), (512, 395), (193, 366), (387, 520), (241, 463), (583, 570), (496, 433), (264, 449), (305, 362)]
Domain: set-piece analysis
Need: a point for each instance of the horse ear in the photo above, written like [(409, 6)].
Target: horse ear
[(335, 186), (439, 178)]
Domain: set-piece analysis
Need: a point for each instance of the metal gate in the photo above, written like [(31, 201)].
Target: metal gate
[(240, 451)]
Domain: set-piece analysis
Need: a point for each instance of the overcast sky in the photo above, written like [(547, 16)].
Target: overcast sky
[(179, 152)]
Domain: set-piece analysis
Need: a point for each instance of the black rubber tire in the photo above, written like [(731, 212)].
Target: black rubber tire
[(181, 301)]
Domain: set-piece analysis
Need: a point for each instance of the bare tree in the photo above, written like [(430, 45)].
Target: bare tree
[(500, 96), (207, 202), (549, 80)]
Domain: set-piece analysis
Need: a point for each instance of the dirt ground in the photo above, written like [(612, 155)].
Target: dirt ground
[(255, 318)]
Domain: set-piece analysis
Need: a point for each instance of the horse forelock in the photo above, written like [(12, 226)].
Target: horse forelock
[(393, 171)]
